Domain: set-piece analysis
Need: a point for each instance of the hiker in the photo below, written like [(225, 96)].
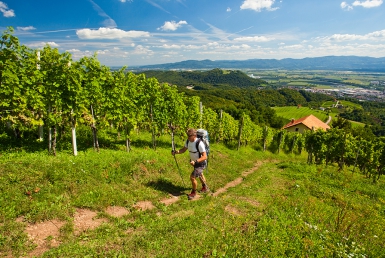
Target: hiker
[(198, 159)]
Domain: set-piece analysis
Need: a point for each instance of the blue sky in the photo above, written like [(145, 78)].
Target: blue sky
[(142, 32)]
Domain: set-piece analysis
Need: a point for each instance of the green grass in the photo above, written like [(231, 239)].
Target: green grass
[(286, 208), (345, 103), (290, 112)]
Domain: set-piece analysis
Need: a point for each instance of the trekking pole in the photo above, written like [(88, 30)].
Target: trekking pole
[(173, 150)]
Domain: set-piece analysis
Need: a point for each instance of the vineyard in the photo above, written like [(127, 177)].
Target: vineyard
[(48, 101), (45, 94)]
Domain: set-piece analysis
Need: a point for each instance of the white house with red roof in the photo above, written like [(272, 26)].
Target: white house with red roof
[(309, 122)]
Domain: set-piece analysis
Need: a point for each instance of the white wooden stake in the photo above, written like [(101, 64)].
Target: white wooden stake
[(73, 133), (41, 129)]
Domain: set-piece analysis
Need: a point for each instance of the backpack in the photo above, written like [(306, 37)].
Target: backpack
[(203, 136)]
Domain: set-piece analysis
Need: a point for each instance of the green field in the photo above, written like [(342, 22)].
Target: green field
[(345, 103), (296, 113), (319, 79), (290, 112)]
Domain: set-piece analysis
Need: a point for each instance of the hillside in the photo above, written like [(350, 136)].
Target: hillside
[(235, 93), (355, 63), (118, 204), (215, 78)]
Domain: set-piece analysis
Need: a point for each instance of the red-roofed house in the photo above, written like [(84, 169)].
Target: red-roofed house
[(306, 123)]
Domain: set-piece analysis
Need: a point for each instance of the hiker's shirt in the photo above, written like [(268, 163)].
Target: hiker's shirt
[(194, 152)]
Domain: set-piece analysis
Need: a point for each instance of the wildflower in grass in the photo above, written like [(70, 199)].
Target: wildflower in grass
[(311, 226)]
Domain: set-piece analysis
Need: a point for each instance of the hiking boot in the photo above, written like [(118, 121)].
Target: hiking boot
[(192, 195), (204, 189)]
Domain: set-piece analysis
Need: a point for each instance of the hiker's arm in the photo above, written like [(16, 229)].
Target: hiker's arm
[(181, 150), (202, 158)]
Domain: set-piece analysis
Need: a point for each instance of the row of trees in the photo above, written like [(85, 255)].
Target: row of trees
[(45, 88)]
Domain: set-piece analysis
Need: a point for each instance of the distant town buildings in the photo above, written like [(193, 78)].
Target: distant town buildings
[(358, 93)]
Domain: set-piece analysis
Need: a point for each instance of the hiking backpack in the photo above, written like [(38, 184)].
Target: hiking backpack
[(203, 136)]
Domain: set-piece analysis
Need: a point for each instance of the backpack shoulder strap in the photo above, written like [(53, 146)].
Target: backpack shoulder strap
[(197, 146)]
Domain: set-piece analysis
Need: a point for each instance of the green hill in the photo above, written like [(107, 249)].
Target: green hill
[(206, 79), (118, 204), (290, 112)]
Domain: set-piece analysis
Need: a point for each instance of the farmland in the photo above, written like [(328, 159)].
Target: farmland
[(321, 79)]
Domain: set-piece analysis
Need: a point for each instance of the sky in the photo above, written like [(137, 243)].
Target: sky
[(144, 32)]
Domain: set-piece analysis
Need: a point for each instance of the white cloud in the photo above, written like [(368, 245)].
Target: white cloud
[(345, 37), (43, 44), (26, 28), (141, 50), (173, 46), (254, 39), (368, 3), (123, 1), (345, 5), (108, 33), (6, 11), (228, 9), (103, 52), (73, 50), (77, 53), (292, 47), (376, 35), (172, 25), (258, 5), (182, 46)]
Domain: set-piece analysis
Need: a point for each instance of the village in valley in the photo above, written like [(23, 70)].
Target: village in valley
[(369, 86), (357, 93)]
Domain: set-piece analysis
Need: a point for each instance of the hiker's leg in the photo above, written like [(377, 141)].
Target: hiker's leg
[(194, 182), (202, 179)]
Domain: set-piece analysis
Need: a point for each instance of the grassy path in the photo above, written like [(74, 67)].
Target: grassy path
[(46, 235)]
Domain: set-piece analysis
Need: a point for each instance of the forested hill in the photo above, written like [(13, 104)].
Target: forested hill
[(236, 93), (355, 63), (206, 79)]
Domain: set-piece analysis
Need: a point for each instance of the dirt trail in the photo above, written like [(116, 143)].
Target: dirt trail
[(46, 234), (238, 180)]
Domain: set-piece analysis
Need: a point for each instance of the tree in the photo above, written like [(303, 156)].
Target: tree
[(95, 80), (57, 91), (19, 84), (342, 123)]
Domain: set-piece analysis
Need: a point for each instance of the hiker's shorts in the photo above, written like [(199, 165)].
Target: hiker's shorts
[(198, 171)]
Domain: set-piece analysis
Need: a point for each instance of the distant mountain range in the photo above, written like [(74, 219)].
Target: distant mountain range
[(354, 63)]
